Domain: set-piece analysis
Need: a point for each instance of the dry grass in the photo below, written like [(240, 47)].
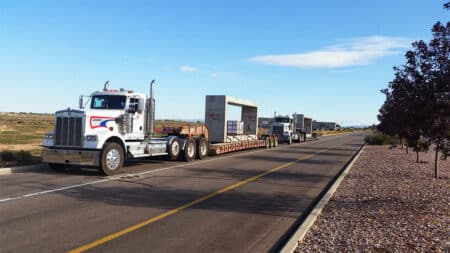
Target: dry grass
[(21, 136), (323, 133), (23, 131)]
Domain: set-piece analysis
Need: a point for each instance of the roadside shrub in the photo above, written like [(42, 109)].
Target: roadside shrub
[(7, 156), (379, 139), (21, 157)]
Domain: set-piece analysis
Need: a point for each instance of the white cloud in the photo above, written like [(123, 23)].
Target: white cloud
[(188, 69), (356, 52)]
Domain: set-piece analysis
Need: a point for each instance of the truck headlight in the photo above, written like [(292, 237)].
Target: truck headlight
[(49, 136), (91, 137)]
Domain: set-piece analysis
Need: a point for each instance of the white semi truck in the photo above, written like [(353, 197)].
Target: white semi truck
[(284, 127), (118, 125), (295, 128)]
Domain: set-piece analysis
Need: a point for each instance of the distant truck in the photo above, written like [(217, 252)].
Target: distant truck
[(118, 125), (289, 129), (284, 127), (304, 125)]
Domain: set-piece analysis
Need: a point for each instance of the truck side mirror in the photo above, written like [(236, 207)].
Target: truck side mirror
[(141, 105)]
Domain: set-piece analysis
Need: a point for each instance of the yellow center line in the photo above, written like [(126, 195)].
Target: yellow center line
[(137, 226)]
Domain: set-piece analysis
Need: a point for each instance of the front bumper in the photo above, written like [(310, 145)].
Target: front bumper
[(71, 156), (283, 138)]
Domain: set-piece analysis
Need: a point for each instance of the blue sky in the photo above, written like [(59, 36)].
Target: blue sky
[(327, 59)]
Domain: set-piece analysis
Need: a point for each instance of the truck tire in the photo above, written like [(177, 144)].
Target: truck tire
[(190, 150), (202, 148), (275, 141), (268, 142), (290, 140), (272, 143), (112, 158), (174, 149)]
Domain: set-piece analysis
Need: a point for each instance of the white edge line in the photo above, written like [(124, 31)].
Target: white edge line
[(300, 233), (53, 190), (111, 178)]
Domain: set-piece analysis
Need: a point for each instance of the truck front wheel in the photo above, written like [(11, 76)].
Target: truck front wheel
[(275, 141), (112, 158), (290, 140)]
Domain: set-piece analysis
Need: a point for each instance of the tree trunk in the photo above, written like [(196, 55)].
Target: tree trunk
[(417, 156), (436, 162)]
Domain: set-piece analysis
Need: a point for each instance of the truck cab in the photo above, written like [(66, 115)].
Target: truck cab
[(80, 135), (116, 112), (283, 127)]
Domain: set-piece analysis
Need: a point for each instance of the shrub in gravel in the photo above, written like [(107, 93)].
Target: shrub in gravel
[(379, 139)]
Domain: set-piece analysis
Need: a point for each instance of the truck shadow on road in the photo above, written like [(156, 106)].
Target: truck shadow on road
[(331, 152), (290, 159), (283, 193), (266, 202), (345, 147)]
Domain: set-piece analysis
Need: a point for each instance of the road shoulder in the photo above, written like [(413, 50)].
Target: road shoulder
[(300, 233)]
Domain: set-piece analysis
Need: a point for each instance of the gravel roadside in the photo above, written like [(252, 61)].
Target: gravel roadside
[(387, 203)]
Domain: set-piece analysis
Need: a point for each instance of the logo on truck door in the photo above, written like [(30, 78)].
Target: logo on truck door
[(98, 121)]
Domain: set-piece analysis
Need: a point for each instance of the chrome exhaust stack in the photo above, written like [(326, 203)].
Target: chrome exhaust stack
[(150, 112), (106, 86)]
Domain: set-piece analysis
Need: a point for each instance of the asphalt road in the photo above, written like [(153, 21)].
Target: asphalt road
[(240, 202)]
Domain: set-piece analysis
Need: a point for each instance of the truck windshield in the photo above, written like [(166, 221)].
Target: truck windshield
[(282, 120), (108, 102)]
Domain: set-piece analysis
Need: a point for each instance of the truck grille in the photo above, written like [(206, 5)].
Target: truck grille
[(277, 130), (68, 131)]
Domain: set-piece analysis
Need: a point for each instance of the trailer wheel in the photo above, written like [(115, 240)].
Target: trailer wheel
[(174, 149), (268, 142), (190, 150), (202, 148), (275, 141), (112, 158)]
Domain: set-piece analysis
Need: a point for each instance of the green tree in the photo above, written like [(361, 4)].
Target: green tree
[(417, 105)]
